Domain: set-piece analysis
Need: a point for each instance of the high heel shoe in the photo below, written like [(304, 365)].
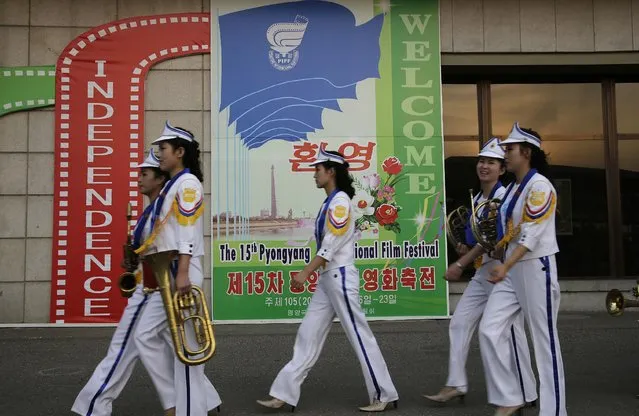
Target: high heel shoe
[(274, 404), (446, 394), (378, 406)]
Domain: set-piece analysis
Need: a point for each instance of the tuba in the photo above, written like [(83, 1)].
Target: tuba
[(616, 303), (456, 225), (182, 310), (484, 227), (128, 280)]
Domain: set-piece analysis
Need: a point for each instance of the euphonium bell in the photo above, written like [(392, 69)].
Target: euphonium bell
[(182, 310), (484, 226), (616, 303), (128, 280)]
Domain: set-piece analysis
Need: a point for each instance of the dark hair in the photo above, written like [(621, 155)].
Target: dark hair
[(343, 179), (191, 158), (159, 173), (538, 158)]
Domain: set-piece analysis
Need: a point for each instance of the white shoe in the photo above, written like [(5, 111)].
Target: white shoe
[(274, 403), (377, 406)]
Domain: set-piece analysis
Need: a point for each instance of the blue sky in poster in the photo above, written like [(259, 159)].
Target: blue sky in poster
[(283, 64)]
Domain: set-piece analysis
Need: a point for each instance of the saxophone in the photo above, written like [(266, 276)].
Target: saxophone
[(128, 281)]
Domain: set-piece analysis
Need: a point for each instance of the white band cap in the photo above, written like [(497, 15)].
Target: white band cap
[(492, 149), (171, 132), (327, 157), (151, 161), (517, 135)]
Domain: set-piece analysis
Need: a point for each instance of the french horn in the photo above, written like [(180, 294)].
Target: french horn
[(456, 225), (484, 225), (182, 310), (616, 302)]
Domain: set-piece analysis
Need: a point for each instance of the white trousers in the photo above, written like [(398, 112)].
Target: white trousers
[(337, 293), (113, 372), (462, 326), (193, 394), (531, 287)]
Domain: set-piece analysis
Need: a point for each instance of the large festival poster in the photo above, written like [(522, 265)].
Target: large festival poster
[(361, 77)]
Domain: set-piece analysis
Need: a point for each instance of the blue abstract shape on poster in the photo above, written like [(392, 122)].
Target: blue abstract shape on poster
[(284, 64)]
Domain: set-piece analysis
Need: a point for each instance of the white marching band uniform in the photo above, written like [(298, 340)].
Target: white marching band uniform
[(528, 218), (469, 311), (113, 372), (178, 226), (337, 293)]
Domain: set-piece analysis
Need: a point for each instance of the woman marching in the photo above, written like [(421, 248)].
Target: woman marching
[(337, 293), (527, 279), (113, 372), (468, 312), (175, 223)]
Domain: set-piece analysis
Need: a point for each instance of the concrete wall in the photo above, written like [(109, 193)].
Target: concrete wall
[(35, 32), (539, 25)]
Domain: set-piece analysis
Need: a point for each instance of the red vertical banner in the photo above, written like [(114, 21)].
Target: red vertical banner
[(99, 139)]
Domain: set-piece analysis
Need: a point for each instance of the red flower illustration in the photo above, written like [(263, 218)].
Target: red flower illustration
[(386, 214), (392, 165)]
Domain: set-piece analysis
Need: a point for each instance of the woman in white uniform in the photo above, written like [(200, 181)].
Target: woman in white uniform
[(337, 293), (527, 279), (176, 223), (115, 369), (468, 312)]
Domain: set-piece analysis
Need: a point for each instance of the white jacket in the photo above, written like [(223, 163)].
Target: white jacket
[(533, 218), (180, 225), (336, 232)]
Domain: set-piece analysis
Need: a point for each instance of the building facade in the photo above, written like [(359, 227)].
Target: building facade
[(567, 68)]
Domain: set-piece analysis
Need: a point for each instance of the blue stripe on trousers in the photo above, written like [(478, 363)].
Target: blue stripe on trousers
[(551, 333), (521, 378), (342, 270), (117, 360), (188, 390)]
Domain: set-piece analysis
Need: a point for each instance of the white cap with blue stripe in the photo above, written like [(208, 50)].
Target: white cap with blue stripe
[(151, 161), (170, 133), (327, 157), (492, 149), (517, 135)]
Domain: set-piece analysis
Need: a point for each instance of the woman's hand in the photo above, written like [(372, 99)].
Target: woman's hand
[(299, 279), (182, 283), (453, 273)]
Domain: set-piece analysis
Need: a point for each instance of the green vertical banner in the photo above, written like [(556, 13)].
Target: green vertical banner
[(360, 77)]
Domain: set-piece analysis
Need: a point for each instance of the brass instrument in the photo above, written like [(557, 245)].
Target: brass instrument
[(456, 225), (128, 281), (484, 229), (182, 309), (616, 303)]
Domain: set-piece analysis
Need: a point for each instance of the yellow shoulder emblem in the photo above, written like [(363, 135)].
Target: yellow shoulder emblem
[(339, 211), (188, 195), (537, 198)]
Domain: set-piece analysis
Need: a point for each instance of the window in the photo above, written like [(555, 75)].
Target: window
[(461, 145), (628, 127), (569, 119)]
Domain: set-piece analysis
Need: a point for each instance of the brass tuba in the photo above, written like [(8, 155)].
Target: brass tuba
[(616, 303), (128, 280), (484, 227), (182, 310)]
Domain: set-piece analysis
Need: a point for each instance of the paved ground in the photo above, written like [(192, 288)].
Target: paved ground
[(43, 369)]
